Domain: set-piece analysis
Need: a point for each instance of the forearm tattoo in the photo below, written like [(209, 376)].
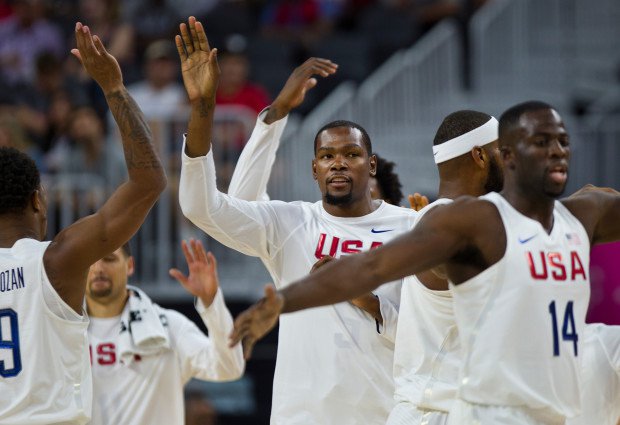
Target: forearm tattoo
[(135, 132)]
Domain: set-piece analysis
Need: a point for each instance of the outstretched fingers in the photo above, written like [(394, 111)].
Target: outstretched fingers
[(241, 328), (187, 40), (179, 43), (178, 275), (99, 45), (202, 37), (318, 66), (193, 33), (189, 257), (248, 345), (211, 259), (79, 38)]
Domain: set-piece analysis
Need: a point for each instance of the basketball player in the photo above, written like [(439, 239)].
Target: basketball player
[(45, 370), (427, 350), (332, 367), (253, 169), (136, 384), (517, 263)]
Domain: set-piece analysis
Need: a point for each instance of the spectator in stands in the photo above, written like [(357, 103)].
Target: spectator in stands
[(5, 9), (239, 102), (85, 151), (151, 20), (304, 21), (159, 95), (33, 102), (23, 37), (12, 134), (235, 89)]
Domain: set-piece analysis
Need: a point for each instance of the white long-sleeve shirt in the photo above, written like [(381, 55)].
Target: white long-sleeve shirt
[(253, 169), (149, 390), (332, 367), (249, 182)]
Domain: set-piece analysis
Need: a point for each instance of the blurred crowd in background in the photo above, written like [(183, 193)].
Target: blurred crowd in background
[(50, 109)]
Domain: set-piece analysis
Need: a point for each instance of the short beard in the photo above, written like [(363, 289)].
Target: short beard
[(102, 293), (495, 179), (338, 200)]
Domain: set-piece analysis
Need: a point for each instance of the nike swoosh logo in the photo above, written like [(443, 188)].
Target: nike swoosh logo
[(381, 231), (526, 239)]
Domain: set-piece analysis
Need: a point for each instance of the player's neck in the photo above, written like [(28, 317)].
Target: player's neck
[(106, 308), (360, 208), (452, 189), (539, 208), (12, 230)]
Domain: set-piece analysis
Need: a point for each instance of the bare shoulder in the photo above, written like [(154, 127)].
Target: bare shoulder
[(465, 210), (598, 210)]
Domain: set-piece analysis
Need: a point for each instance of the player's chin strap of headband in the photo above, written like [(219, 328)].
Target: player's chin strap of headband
[(464, 143)]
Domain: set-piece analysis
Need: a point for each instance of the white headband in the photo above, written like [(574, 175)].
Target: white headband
[(480, 136)]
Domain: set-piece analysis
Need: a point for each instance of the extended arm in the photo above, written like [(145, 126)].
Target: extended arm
[(207, 357), (598, 209), (202, 357), (382, 310), (429, 244), (78, 246), (438, 237), (242, 225), (249, 180)]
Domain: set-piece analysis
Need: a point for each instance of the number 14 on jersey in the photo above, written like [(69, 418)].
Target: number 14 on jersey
[(569, 332)]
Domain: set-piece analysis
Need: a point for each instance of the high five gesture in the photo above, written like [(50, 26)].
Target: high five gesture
[(201, 75), (201, 72)]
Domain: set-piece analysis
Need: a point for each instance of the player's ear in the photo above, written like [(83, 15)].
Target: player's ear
[(314, 174), (131, 266), (36, 201), (479, 156), (373, 165)]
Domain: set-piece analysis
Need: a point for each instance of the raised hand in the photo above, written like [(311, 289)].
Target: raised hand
[(99, 64), (252, 324), (417, 201), (201, 72), (202, 281), (300, 81)]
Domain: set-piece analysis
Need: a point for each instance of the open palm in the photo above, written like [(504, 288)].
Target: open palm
[(199, 67), (202, 281), (254, 323)]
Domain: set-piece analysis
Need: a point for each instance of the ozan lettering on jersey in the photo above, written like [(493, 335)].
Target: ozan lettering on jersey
[(337, 246), (12, 279), (551, 265)]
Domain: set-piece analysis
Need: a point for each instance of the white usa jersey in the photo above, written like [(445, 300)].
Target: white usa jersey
[(427, 349), (332, 367), (600, 387), (45, 375), (520, 321)]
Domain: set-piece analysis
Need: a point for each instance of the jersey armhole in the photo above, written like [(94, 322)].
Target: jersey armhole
[(55, 304)]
